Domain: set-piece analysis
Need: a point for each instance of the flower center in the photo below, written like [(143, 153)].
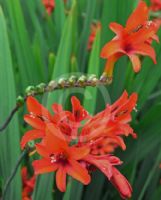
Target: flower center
[(60, 158), (128, 48)]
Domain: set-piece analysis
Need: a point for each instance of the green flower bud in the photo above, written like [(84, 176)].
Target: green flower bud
[(62, 82), (52, 85), (20, 101), (82, 79), (91, 77), (72, 80), (30, 90), (40, 88)]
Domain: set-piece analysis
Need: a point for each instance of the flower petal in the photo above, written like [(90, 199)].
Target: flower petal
[(54, 140), (102, 163), (116, 28), (36, 108), (43, 151), (145, 49), (78, 153), (31, 135), (119, 102), (43, 166), (77, 109), (61, 179), (57, 108), (111, 48), (138, 17), (78, 172), (121, 184), (135, 62), (144, 34), (34, 122)]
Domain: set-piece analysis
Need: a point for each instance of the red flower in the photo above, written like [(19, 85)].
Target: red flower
[(69, 122), (131, 40), (70, 147), (58, 156), (112, 122), (49, 5), (155, 5), (28, 184), (39, 117), (106, 165), (94, 28)]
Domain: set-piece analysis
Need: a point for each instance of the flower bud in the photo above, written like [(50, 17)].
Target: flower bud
[(30, 90), (20, 101), (72, 80), (121, 184), (62, 82), (40, 88)]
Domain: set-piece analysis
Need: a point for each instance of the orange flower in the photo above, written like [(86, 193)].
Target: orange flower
[(28, 184), (94, 28), (106, 165), (49, 5), (58, 156), (69, 122), (155, 5), (131, 40), (39, 117), (71, 147), (112, 122)]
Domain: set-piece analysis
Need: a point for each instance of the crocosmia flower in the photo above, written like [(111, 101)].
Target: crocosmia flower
[(74, 142), (49, 5), (155, 5), (59, 156), (131, 40), (28, 184), (94, 28)]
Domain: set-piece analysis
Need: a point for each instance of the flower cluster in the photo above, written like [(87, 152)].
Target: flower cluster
[(27, 183), (73, 143), (132, 40)]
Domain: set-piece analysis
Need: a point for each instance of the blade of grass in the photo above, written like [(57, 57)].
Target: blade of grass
[(9, 141)]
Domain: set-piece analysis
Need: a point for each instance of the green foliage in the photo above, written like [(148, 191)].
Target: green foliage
[(9, 142)]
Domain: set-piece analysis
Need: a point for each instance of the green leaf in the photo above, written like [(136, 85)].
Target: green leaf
[(22, 46), (91, 6), (62, 65), (90, 94), (9, 138)]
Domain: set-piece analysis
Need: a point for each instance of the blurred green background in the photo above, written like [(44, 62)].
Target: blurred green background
[(35, 48)]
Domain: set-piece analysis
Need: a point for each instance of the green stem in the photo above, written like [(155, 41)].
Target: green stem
[(9, 180), (72, 82)]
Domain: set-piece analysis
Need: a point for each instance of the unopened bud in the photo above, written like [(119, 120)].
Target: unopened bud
[(91, 77), (62, 82), (72, 80), (40, 88), (82, 79), (52, 85), (30, 90), (20, 100)]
